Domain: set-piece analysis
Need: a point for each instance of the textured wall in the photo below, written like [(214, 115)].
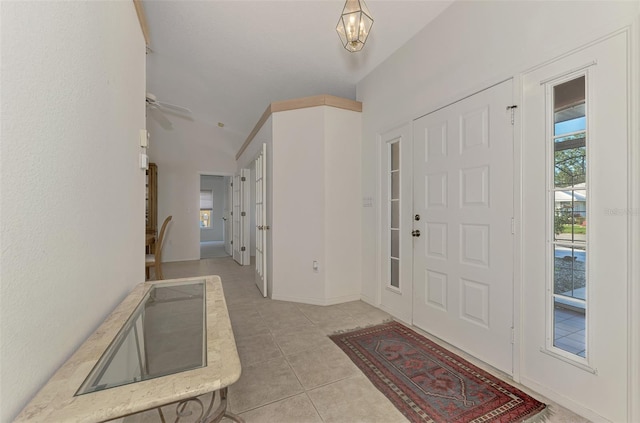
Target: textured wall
[(72, 194)]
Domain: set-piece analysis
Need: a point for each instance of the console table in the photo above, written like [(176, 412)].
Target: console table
[(168, 343)]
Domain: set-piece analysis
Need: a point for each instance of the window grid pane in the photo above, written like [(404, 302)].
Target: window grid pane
[(569, 208)]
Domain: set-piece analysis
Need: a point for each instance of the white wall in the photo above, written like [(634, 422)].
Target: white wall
[(314, 210), (72, 194), (343, 202), (469, 47), (298, 200), (215, 184), (183, 153)]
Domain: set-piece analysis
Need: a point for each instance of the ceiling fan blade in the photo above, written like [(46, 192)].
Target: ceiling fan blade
[(159, 117), (174, 107)]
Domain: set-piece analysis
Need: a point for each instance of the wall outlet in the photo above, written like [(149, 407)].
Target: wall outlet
[(315, 266)]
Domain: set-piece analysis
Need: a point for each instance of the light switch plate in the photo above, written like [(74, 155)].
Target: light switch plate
[(144, 161), (144, 138)]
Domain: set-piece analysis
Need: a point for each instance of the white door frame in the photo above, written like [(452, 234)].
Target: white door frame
[(595, 57), (228, 207), (397, 301), (245, 218), (241, 217)]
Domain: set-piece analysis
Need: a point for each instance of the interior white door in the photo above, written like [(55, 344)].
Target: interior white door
[(261, 221), (236, 220), (463, 256), (396, 222), (241, 201), (228, 206), (594, 376), (245, 218)]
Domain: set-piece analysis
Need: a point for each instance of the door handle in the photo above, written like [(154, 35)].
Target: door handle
[(415, 233)]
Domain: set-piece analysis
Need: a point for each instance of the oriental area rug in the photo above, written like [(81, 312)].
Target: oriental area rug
[(427, 383)]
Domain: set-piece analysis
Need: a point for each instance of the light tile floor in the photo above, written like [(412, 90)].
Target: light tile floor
[(291, 371), (212, 249)]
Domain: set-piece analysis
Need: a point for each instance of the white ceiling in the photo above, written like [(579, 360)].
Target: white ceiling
[(227, 60)]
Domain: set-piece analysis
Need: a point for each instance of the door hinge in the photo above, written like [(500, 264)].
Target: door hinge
[(243, 249), (231, 183), (231, 242), (243, 179), (512, 108), (513, 226), (231, 213), (243, 214), (513, 335)]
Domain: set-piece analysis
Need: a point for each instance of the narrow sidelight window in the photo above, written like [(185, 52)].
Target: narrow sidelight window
[(569, 208), (394, 213)]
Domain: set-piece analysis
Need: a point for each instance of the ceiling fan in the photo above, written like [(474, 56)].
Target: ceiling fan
[(158, 109)]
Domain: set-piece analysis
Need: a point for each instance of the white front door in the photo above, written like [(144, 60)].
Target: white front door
[(575, 230), (261, 221), (463, 256), (396, 222)]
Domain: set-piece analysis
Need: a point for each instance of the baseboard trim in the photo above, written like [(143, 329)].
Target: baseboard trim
[(370, 301), (563, 400), (404, 319)]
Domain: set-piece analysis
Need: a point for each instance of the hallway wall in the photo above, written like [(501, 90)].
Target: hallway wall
[(72, 191)]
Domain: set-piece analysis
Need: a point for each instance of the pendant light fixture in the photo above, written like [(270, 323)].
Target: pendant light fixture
[(354, 25)]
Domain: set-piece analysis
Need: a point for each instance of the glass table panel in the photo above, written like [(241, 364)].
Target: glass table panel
[(165, 334)]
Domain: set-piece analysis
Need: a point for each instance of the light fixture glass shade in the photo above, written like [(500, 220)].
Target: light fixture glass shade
[(354, 25)]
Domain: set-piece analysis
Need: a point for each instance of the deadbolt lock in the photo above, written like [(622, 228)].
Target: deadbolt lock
[(416, 217)]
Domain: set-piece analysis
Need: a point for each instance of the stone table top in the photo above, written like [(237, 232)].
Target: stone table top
[(56, 402)]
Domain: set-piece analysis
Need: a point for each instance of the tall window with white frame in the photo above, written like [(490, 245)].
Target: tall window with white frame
[(569, 207), (394, 213)]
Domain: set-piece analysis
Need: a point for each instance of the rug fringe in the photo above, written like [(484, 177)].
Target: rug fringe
[(542, 417), (341, 331)]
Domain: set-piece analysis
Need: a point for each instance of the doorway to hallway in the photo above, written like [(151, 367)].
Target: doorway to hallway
[(212, 216)]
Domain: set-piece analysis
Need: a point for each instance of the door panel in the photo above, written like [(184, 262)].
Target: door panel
[(236, 219), (228, 227), (245, 218), (261, 221), (463, 259), (241, 234)]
